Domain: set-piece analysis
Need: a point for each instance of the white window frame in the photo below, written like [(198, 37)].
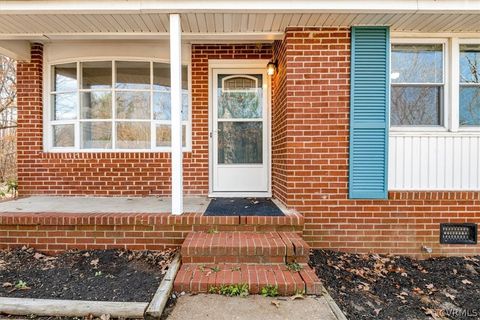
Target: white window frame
[(456, 42), (49, 123), (446, 85)]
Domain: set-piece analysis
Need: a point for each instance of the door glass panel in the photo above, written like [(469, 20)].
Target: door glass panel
[(240, 142), (239, 96)]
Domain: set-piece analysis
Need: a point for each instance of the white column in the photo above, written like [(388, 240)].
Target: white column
[(176, 113)]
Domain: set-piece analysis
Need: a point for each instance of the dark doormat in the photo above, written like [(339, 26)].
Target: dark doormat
[(243, 207)]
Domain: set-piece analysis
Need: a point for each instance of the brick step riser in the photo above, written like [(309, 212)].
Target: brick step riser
[(199, 251), (195, 278), (241, 251), (244, 259), (254, 288)]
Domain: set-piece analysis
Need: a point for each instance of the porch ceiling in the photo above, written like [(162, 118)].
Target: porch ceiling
[(220, 26)]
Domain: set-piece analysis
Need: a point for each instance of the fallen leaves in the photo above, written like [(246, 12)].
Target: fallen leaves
[(431, 288), (94, 263), (471, 269), (365, 284), (80, 273), (275, 303), (449, 295), (402, 295), (298, 296), (417, 290), (434, 313)]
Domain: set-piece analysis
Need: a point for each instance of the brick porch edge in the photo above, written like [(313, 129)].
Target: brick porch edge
[(55, 232)]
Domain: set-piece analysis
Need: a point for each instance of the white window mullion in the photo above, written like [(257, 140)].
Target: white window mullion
[(77, 123), (152, 123), (454, 86), (114, 102)]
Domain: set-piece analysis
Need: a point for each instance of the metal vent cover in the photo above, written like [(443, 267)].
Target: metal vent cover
[(458, 233)]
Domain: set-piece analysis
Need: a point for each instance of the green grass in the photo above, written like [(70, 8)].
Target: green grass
[(232, 290), (269, 291)]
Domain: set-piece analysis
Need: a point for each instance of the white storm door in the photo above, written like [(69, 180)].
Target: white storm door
[(240, 155)]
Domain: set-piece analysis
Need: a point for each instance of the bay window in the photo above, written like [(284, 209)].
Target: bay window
[(114, 105)]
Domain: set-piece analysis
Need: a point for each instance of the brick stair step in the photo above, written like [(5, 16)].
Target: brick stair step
[(198, 278), (244, 247)]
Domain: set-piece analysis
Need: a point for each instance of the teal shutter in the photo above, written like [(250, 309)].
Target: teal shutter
[(369, 109)]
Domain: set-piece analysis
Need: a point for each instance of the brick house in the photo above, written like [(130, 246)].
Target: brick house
[(363, 124)]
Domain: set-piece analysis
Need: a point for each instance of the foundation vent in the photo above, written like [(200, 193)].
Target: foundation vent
[(458, 233)]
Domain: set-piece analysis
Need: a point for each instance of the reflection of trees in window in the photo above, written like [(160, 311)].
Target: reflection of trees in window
[(99, 114), (240, 97), (416, 105), (244, 104), (133, 105), (8, 118), (63, 135), (96, 105), (133, 135), (469, 85), (240, 142), (417, 84)]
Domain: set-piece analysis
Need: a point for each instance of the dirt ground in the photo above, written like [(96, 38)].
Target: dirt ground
[(109, 275), (397, 287), (217, 307)]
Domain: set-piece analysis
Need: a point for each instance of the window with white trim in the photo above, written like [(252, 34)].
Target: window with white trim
[(417, 84), (469, 108), (114, 105)]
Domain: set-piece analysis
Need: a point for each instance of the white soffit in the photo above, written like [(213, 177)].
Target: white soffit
[(221, 26)]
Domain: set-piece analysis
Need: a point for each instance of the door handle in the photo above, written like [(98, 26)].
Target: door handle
[(213, 132)]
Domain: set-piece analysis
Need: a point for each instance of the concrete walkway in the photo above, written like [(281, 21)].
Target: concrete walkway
[(212, 306)]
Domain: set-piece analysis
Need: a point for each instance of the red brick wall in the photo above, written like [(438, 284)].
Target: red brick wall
[(316, 157), (115, 173), (279, 123)]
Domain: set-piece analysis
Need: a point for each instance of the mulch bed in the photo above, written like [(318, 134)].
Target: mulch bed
[(397, 287), (101, 275)]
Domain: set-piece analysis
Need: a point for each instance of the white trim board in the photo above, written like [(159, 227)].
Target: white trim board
[(241, 65), (180, 6)]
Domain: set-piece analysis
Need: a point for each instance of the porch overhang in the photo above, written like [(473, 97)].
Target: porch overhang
[(221, 20)]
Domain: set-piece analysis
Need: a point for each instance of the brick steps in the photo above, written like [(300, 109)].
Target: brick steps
[(244, 247), (198, 278), (258, 259)]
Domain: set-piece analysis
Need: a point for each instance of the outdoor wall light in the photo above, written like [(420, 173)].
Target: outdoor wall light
[(271, 67)]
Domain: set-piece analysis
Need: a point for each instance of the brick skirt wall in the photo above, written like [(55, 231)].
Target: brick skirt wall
[(400, 225), (55, 232)]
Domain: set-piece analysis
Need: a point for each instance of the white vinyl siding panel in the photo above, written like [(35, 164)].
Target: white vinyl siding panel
[(443, 161)]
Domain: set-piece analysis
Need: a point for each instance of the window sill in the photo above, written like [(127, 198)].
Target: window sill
[(412, 129), (69, 150), (439, 133)]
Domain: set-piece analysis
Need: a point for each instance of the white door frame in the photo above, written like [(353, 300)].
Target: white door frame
[(238, 64)]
